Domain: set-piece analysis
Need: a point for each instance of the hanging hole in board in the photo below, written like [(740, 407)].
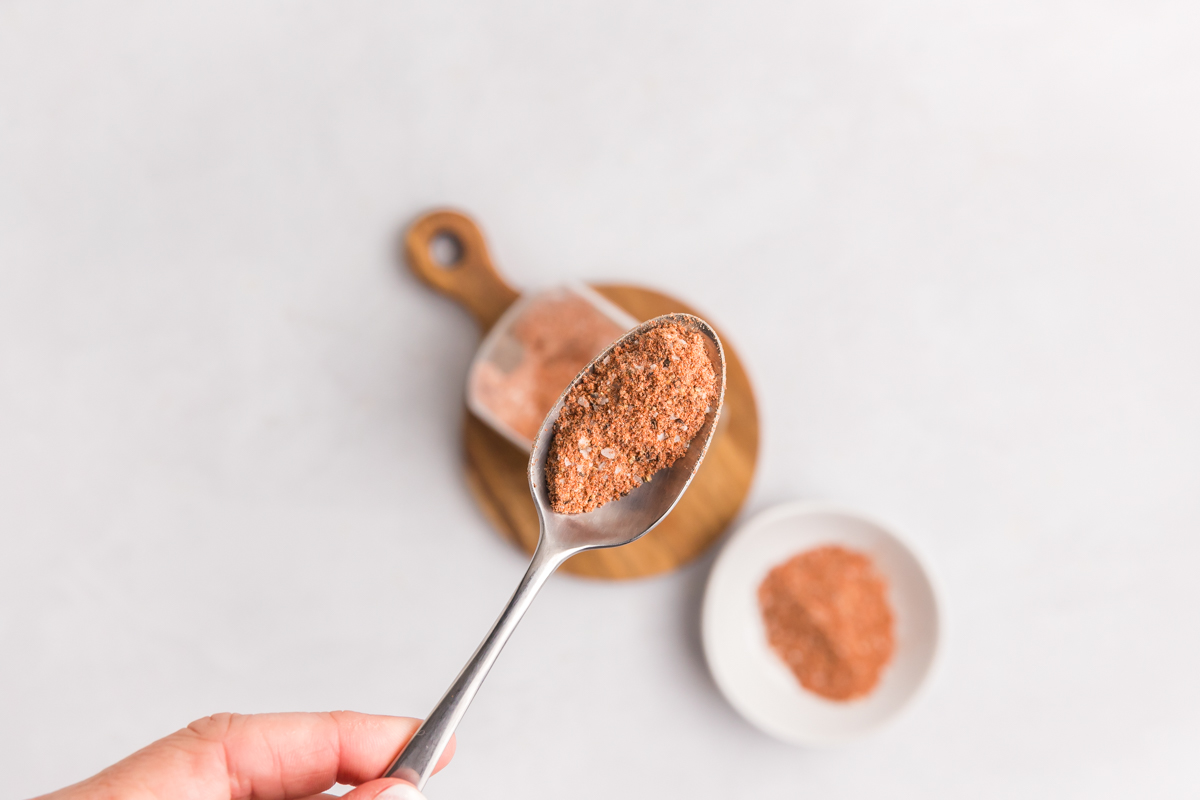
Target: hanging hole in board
[(445, 249)]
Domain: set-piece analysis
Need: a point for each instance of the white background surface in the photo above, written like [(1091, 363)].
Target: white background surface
[(956, 245)]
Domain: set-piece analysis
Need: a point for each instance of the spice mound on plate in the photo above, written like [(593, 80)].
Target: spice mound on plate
[(827, 616), (632, 415), (556, 336)]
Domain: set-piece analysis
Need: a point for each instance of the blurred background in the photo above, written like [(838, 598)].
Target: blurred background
[(955, 245)]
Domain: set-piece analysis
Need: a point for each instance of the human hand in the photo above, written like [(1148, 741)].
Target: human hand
[(262, 757)]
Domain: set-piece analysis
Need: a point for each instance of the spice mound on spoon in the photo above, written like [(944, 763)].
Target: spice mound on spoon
[(632, 413), (680, 397)]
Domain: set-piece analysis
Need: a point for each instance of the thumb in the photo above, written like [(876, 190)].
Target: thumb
[(385, 789)]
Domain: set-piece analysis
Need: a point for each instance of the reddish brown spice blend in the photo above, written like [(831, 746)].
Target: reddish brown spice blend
[(558, 335), (633, 414), (827, 616)]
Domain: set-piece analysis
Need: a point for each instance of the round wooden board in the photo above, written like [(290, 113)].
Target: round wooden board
[(496, 473)]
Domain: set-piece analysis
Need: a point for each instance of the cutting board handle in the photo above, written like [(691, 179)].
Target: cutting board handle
[(469, 277)]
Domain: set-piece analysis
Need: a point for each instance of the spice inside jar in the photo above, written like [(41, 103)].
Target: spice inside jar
[(555, 335)]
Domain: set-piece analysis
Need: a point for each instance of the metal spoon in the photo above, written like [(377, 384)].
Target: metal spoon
[(562, 536)]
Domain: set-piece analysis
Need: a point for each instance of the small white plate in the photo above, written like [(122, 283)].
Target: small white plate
[(749, 673)]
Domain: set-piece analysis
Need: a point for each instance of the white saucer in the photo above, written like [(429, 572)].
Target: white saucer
[(755, 681)]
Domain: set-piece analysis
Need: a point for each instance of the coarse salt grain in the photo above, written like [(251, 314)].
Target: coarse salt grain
[(608, 453), (583, 402)]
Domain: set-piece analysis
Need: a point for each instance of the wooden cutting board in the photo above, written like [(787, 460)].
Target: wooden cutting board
[(496, 468)]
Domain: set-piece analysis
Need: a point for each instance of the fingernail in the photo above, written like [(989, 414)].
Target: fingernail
[(400, 791)]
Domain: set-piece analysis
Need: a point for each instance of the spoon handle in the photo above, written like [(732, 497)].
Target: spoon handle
[(416, 761)]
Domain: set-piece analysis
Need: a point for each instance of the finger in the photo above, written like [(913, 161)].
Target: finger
[(385, 789), (262, 756), (275, 756)]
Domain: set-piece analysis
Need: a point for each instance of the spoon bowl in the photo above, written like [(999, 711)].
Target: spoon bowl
[(635, 514), (561, 536)]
